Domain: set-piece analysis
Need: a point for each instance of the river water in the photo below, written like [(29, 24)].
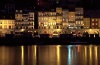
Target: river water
[(50, 55)]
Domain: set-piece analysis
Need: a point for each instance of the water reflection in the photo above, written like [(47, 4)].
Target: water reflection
[(85, 55), (90, 54), (96, 55), (69, 55), (22, 55), (58, 54), (50, 55), (34, 54)]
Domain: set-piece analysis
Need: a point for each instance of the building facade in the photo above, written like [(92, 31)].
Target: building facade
[(94, 23), (79, 17), (86, 22), (71, 20), (65, 19), (7, 26), (24, 21)]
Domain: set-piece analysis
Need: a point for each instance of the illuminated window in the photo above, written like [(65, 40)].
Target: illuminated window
[(20, 10), (5, 26), (9, 22), (92, 23), (92, 19), (96, 19), (13, 22), (76, 22), (0, 22), (96, 24), (0, 27), (81, 22), (16, 10), (5, 22)]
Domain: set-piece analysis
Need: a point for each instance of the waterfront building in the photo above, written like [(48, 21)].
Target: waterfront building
[(46, 22), (86, 22), (24, 21), (7, 26), (50, 22), (71, 20), (98, 23), (65, 20), (94, 23), (59, 14), (79, 17)]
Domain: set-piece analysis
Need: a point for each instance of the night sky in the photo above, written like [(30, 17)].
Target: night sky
[(31, 3)]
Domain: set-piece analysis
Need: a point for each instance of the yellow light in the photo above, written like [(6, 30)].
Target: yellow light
[(58, 30), (22, 30), (96, 55), (90, 49), (58, 54), (90, 30), (22, 55)]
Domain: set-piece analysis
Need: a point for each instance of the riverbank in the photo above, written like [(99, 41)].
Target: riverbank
[(49, 41)]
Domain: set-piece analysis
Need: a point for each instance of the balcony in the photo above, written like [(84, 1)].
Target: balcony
[(59, 14), (79, 19), (78, 14)]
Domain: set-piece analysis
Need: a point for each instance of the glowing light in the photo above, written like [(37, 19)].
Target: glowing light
[(58, 54), (69, 55), (34, 54), (85, 55), (78, 48), (57, 2), (22, 30), (96, 55), (22, 55), (90, 49), (35, 50), (90, 30)]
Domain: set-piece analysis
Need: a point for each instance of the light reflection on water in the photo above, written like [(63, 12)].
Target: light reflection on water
[(50, 55), (22, 55)]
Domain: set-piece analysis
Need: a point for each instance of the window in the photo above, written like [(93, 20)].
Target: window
[(9, 22), (95, 23), (92, 23), (0, 27), (0, 22), (5, 22), (92, 19), (5, 27), (16, 10), (20, 10), (96, 19), (81, 22), (9, 27)]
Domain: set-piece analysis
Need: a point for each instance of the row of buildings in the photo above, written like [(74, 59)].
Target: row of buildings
[(59, 21)]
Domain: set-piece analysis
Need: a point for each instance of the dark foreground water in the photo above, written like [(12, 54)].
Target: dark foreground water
[(50, 55)]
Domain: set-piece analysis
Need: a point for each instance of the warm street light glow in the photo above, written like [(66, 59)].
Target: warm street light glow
[(22, 30)]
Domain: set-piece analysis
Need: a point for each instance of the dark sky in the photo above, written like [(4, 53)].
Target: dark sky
[(27, 3)]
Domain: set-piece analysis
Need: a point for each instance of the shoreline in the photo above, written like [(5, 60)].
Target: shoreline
[(49, 41)]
